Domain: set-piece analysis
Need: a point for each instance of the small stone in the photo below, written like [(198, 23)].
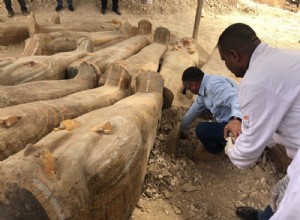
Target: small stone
[(172, 182), (148, 193), (239, 203), (244, 196), (263, 181), (176, 209), (192, 207), (188, 187), (166, 173), (161, 137), (166, 194)]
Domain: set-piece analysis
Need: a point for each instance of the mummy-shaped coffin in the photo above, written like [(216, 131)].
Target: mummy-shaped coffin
[(94, 171), (177, 59), (35, 68), (11, 33), (28, 123), (103, 58), (149, 57), (64, 41), (87, 78), (79, 25)]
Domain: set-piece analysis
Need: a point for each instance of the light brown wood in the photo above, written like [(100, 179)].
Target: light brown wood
[(64, 41), (12, 33), (36, 119), (197, 19), (81, 25), (178, 58), (35, 68), (215, 65), (87, 78), (83, 174), (148, 59), (103, 58)]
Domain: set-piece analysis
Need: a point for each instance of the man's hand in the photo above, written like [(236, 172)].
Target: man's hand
[(234, 127), (278, 192)]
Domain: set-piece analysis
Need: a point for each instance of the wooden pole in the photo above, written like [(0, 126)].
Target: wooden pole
[(197, 19)]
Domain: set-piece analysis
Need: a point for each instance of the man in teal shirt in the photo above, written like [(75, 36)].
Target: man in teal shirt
[(220, 96)]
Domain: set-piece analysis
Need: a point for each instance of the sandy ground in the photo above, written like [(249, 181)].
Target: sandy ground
[(179, 188)]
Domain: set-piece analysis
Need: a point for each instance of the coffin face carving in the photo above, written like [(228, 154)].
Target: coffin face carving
[(87, 78), (81, 173), (84, 155), (178, 58), (148, 59), (37, 119), (36, 68), (103, 58)]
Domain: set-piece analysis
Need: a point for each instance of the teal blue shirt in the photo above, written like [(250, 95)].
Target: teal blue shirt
[(217, 94)]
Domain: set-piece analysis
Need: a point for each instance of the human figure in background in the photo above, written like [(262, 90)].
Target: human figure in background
[(59, 5), (219, 95), (10, 11), (269, 98), (115, 7)]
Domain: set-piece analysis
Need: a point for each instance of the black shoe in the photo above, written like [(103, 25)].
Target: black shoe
[(71, 8), (103, 11), (117, 12), (58, 7), (10, 13), (247, 213)]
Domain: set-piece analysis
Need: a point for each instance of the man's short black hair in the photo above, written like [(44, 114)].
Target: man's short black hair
[(192, 74), (236, 36)]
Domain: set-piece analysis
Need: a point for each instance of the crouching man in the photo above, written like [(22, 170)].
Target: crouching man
[(219, 95)]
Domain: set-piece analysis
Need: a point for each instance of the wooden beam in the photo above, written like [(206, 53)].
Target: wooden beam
[(197, 19)]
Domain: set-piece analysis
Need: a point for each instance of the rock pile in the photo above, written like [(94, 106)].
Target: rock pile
[(188, 186)]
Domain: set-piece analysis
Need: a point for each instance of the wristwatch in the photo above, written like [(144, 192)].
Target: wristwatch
[(234, 117)]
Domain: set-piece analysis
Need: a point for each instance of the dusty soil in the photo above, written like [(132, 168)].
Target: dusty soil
[(180, 188)]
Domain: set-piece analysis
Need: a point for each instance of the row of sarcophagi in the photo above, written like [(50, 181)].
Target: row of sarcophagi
[(77, 127)]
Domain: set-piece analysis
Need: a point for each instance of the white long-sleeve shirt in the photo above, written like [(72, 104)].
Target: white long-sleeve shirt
[(289, 205), (269, 98)]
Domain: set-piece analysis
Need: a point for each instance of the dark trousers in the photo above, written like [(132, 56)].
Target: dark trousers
[(21, 3), (266, 214), (60, 2), (211, 135), (114, 6)]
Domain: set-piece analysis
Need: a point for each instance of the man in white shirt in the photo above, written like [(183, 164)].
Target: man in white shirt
[(269, 94), (289, 205), (219, 95)]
